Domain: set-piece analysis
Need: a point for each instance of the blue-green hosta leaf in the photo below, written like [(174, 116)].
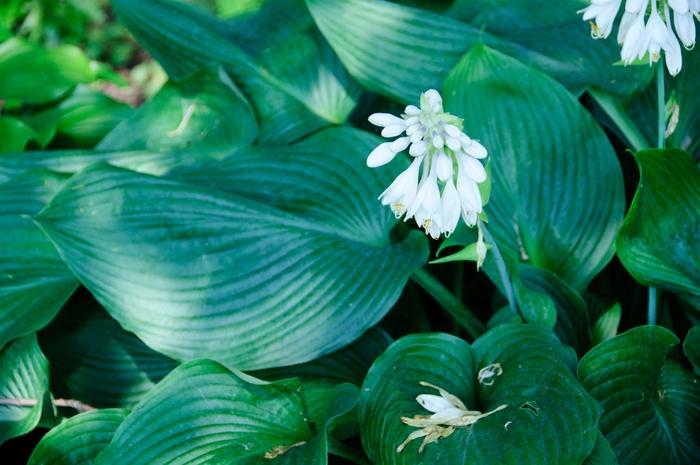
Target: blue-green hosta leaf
[(659, 242), (97, 362), (71, 161), (549, 418), (205, 111), (651, 404), (297, 263), (24, 379), (30, 73), (557, 198), (293, 79), (399, 51), (203, 413), (78, 440), (34, 281)]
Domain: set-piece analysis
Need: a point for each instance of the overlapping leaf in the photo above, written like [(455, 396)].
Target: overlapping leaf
[(32, 74), (651, 404), (34, 281), (659, 242), (203, 413), (24, 380), (282, 272), (294, 81), (557, 198), (206, 112), (399, 51), (549, 418), (96, 362), (78, 440)]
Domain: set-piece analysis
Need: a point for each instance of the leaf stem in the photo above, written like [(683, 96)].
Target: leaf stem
[(622, 120), (653, 295), (69, 403), (449, 302), (501, 267), (661, 102)]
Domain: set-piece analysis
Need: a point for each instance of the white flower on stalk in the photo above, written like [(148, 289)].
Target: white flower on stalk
[(646, 28), (441, 184), (448, 413)]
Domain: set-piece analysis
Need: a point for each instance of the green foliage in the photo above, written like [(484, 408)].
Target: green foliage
[(23, 383), (644, 394), (542, 396), (659, 242), (78, 440), (194, 276)]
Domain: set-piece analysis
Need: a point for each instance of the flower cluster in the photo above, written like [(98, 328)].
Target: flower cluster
[(441, 184), (448, 413), (646, 29)]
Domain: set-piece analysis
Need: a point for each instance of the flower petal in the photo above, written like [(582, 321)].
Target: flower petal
[(381, 155), (385, 119)]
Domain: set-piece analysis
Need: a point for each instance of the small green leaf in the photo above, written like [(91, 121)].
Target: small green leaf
[(78, 440), (647, 398), (15, 134), (32, 74), (606, 325), (204, 410), (659, 242), (24, 380)]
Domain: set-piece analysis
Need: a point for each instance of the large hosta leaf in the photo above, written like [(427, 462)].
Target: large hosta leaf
[(24, 380), (557, 199), (203, 413), (296, 265), (295, 82), (659, 242), (78, 440), (206, 111), (549, 419), (651, 404), (34, 282), (400, 51), (97, 362)]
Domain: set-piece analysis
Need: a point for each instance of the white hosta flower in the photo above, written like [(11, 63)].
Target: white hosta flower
[(441, 185), (602, 15), (646, 29), (448, 413)]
